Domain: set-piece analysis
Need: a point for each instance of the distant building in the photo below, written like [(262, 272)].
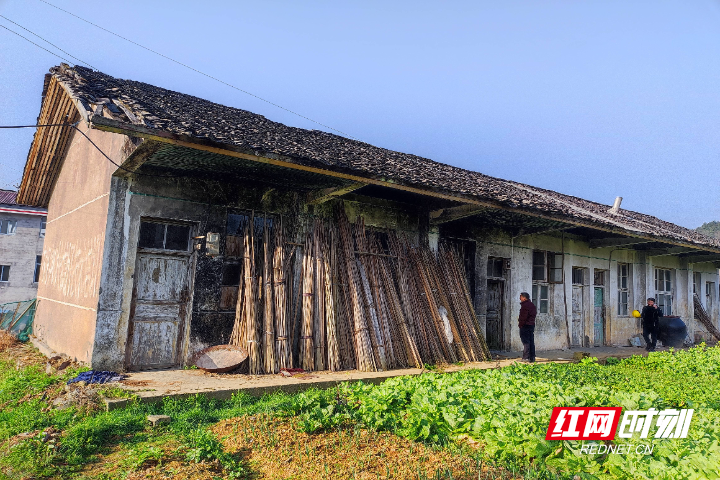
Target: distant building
[(22, 232)]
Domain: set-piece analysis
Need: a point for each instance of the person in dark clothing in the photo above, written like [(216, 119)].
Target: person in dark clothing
[(526, 322), (650, 318)]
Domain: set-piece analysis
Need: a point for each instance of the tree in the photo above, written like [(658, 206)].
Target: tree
[(710, 229)]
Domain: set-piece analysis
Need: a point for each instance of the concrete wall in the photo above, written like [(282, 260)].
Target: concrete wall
[(552, 328), (206, 205), (20, 251), (74, 244)]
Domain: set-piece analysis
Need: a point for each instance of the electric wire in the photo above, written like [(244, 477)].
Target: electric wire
[(201, 73), (74, 125), (39, 46), (48, 42)]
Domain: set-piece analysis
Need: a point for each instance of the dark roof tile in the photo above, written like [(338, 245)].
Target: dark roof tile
[(183, 114)]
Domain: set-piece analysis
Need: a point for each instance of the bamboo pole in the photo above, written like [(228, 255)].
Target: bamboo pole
[(319, 298), (363, 346), (282, 340), (306, 337)]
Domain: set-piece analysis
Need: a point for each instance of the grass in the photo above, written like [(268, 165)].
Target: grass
[(356, 431), (39, 441)]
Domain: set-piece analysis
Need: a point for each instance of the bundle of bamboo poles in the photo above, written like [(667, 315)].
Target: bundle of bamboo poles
[(268, 337), (352, 298), (365, 358), (702, 315)]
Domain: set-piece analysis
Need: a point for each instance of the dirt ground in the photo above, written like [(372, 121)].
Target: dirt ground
[(153, 385)]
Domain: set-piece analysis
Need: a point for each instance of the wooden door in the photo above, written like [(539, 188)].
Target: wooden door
[(577, 317), (494, 319), (159, 311), (599, 317)]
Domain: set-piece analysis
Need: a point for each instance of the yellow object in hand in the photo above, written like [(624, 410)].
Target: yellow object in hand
[(636, 314)]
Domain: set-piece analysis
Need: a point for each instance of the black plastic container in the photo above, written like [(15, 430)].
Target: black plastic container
[(672, 331)]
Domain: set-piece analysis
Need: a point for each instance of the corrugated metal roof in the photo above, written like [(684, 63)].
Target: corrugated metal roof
[(8, 197)]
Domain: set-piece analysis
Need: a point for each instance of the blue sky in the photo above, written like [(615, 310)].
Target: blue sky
[(595, 98)]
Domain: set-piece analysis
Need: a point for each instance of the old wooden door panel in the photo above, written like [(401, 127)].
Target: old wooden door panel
[(160, 278), (154, 344), (577, 316), (161, 294), (599, 317), (493, 318)]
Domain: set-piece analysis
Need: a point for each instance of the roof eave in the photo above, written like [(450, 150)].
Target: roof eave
[(109, 125)]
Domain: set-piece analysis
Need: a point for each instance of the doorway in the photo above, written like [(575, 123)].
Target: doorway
[(494, 325), (161, 296), (577, 316), (599, 317)]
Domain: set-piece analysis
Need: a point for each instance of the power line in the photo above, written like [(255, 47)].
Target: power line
[(198, 71), (39, 46), (74, 125), (48, 42)]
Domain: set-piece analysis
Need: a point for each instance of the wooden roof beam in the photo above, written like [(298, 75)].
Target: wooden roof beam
[(618, 242), (322, 196), (109, 125), (450, 214), (702, 258)]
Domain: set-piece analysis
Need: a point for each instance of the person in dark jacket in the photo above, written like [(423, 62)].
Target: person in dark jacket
[(650, 319), (526, 322)]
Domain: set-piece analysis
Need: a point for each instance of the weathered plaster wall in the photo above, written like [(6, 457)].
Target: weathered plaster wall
[(551, 328), (74, 243), (19, 251)]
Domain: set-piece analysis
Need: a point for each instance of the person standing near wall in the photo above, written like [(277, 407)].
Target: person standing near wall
[(526, 322), (650, 319)]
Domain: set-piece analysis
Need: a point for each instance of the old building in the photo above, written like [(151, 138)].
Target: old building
[(135, 278), (22, 231)]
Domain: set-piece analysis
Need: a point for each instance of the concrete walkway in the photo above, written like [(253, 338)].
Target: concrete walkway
[(152, 386)]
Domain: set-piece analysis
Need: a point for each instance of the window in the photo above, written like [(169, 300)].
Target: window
[(164, 236), (541, 297), (4, 273), (7, 227), (697, 283), (623, 288), (599, 278), (547, 267), (43, 225), (663, 290), (578, 276), (495, 267), (38, 260)]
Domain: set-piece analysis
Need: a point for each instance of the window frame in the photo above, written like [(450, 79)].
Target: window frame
[(5, 273), (549, 266), (664, 296), (5, 222), (43, 226), (709, 294), (38, 264), (492, 265), (624, 307), (581, 271), (542, 303), (166, 224)]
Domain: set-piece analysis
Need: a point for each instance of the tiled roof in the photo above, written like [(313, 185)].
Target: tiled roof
[(8, 197), (180, 114)]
